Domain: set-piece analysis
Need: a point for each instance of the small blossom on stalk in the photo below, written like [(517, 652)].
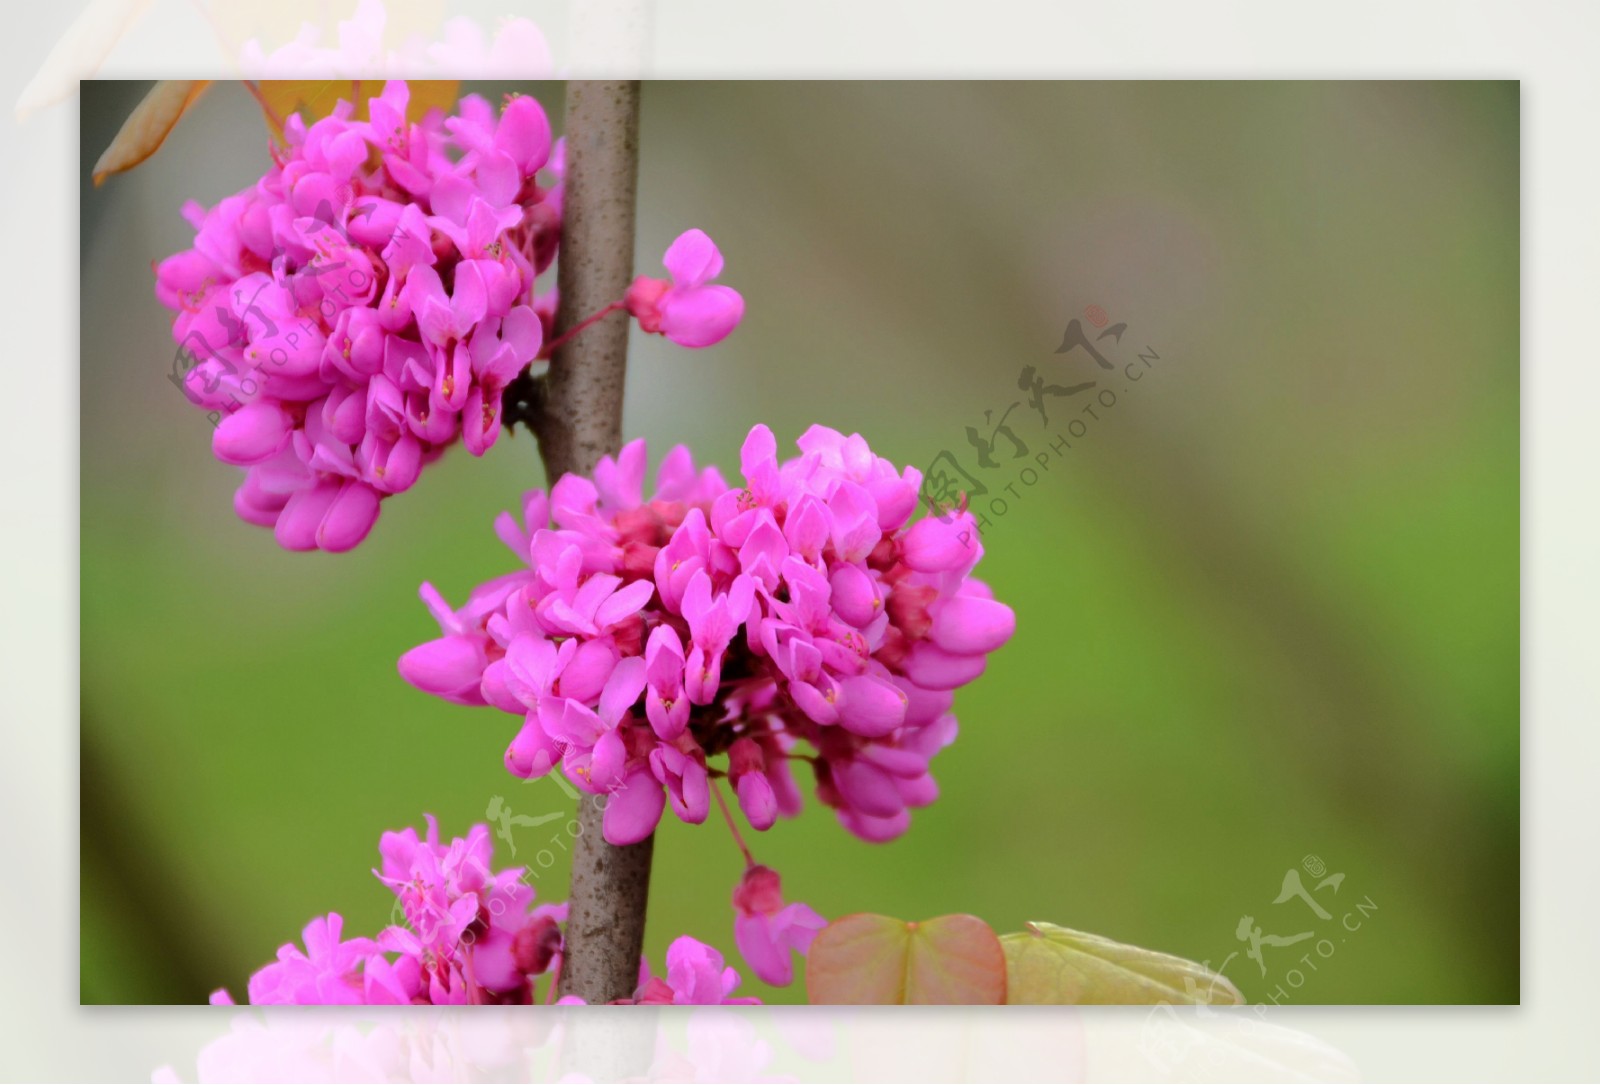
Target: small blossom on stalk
[(766, 929), (688, 309), (366, 304)]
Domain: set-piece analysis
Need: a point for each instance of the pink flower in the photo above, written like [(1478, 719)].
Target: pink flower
[(767, 930), (667, 703), (798, 618), (690, 310), (747, 769), (695, 977), (312, 318), (327, 973), (467, 933)]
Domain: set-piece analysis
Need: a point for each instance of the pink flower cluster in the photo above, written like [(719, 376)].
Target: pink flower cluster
[(366, 304), (801, 610), (469, 934)]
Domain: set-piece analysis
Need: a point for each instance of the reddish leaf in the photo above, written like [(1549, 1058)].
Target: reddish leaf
[(875, 960)]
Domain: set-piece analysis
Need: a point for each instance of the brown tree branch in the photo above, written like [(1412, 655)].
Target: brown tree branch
[(578, 420)]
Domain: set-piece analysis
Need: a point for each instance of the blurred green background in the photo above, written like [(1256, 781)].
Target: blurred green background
[(1267, 605)]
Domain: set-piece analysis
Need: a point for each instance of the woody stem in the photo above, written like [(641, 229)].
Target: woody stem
[(579, 421)]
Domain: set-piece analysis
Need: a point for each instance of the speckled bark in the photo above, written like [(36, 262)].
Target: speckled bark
[(580, 420)]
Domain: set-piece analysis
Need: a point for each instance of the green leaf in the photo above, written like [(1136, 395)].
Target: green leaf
[(1051, 965), (863, 960)]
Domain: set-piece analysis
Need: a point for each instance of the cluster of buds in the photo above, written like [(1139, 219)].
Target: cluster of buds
[(367, 303), (467, 934), (797, 617)]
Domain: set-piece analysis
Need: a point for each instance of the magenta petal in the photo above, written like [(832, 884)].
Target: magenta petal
[(906, 764), (394, 465), (624, 603), (471, 299), (566, 720), (870, 706), (344, 415), (971, 625), (668, 717), (855, 595), (935, 545), (693, 801), (855, 521), (253, 507), (806, 527), (867, 788), (663, 657), (523, 333), (586, 674), (451, 198), (921, 791), (497, 690), (532, 666), (931, 667), (757, 800), (800, 924), (634, 810), (753, 935), (255, 432), (444, 666), (875, 830), (302, 516), (524, 133), (532, 753), (480, 420), (701, 317), (499, 179), (610, 755), (620, 480), (623, 688), (814, 703), (758, 456), (349, 518), (693, 258), (424, 293)]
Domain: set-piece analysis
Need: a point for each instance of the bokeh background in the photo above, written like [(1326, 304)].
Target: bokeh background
[(1267, 604)]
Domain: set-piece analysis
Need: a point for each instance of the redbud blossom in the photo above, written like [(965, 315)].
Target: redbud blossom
[(466, 934), (799, 617), (690, 310), (365, 305), (766, 929)]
